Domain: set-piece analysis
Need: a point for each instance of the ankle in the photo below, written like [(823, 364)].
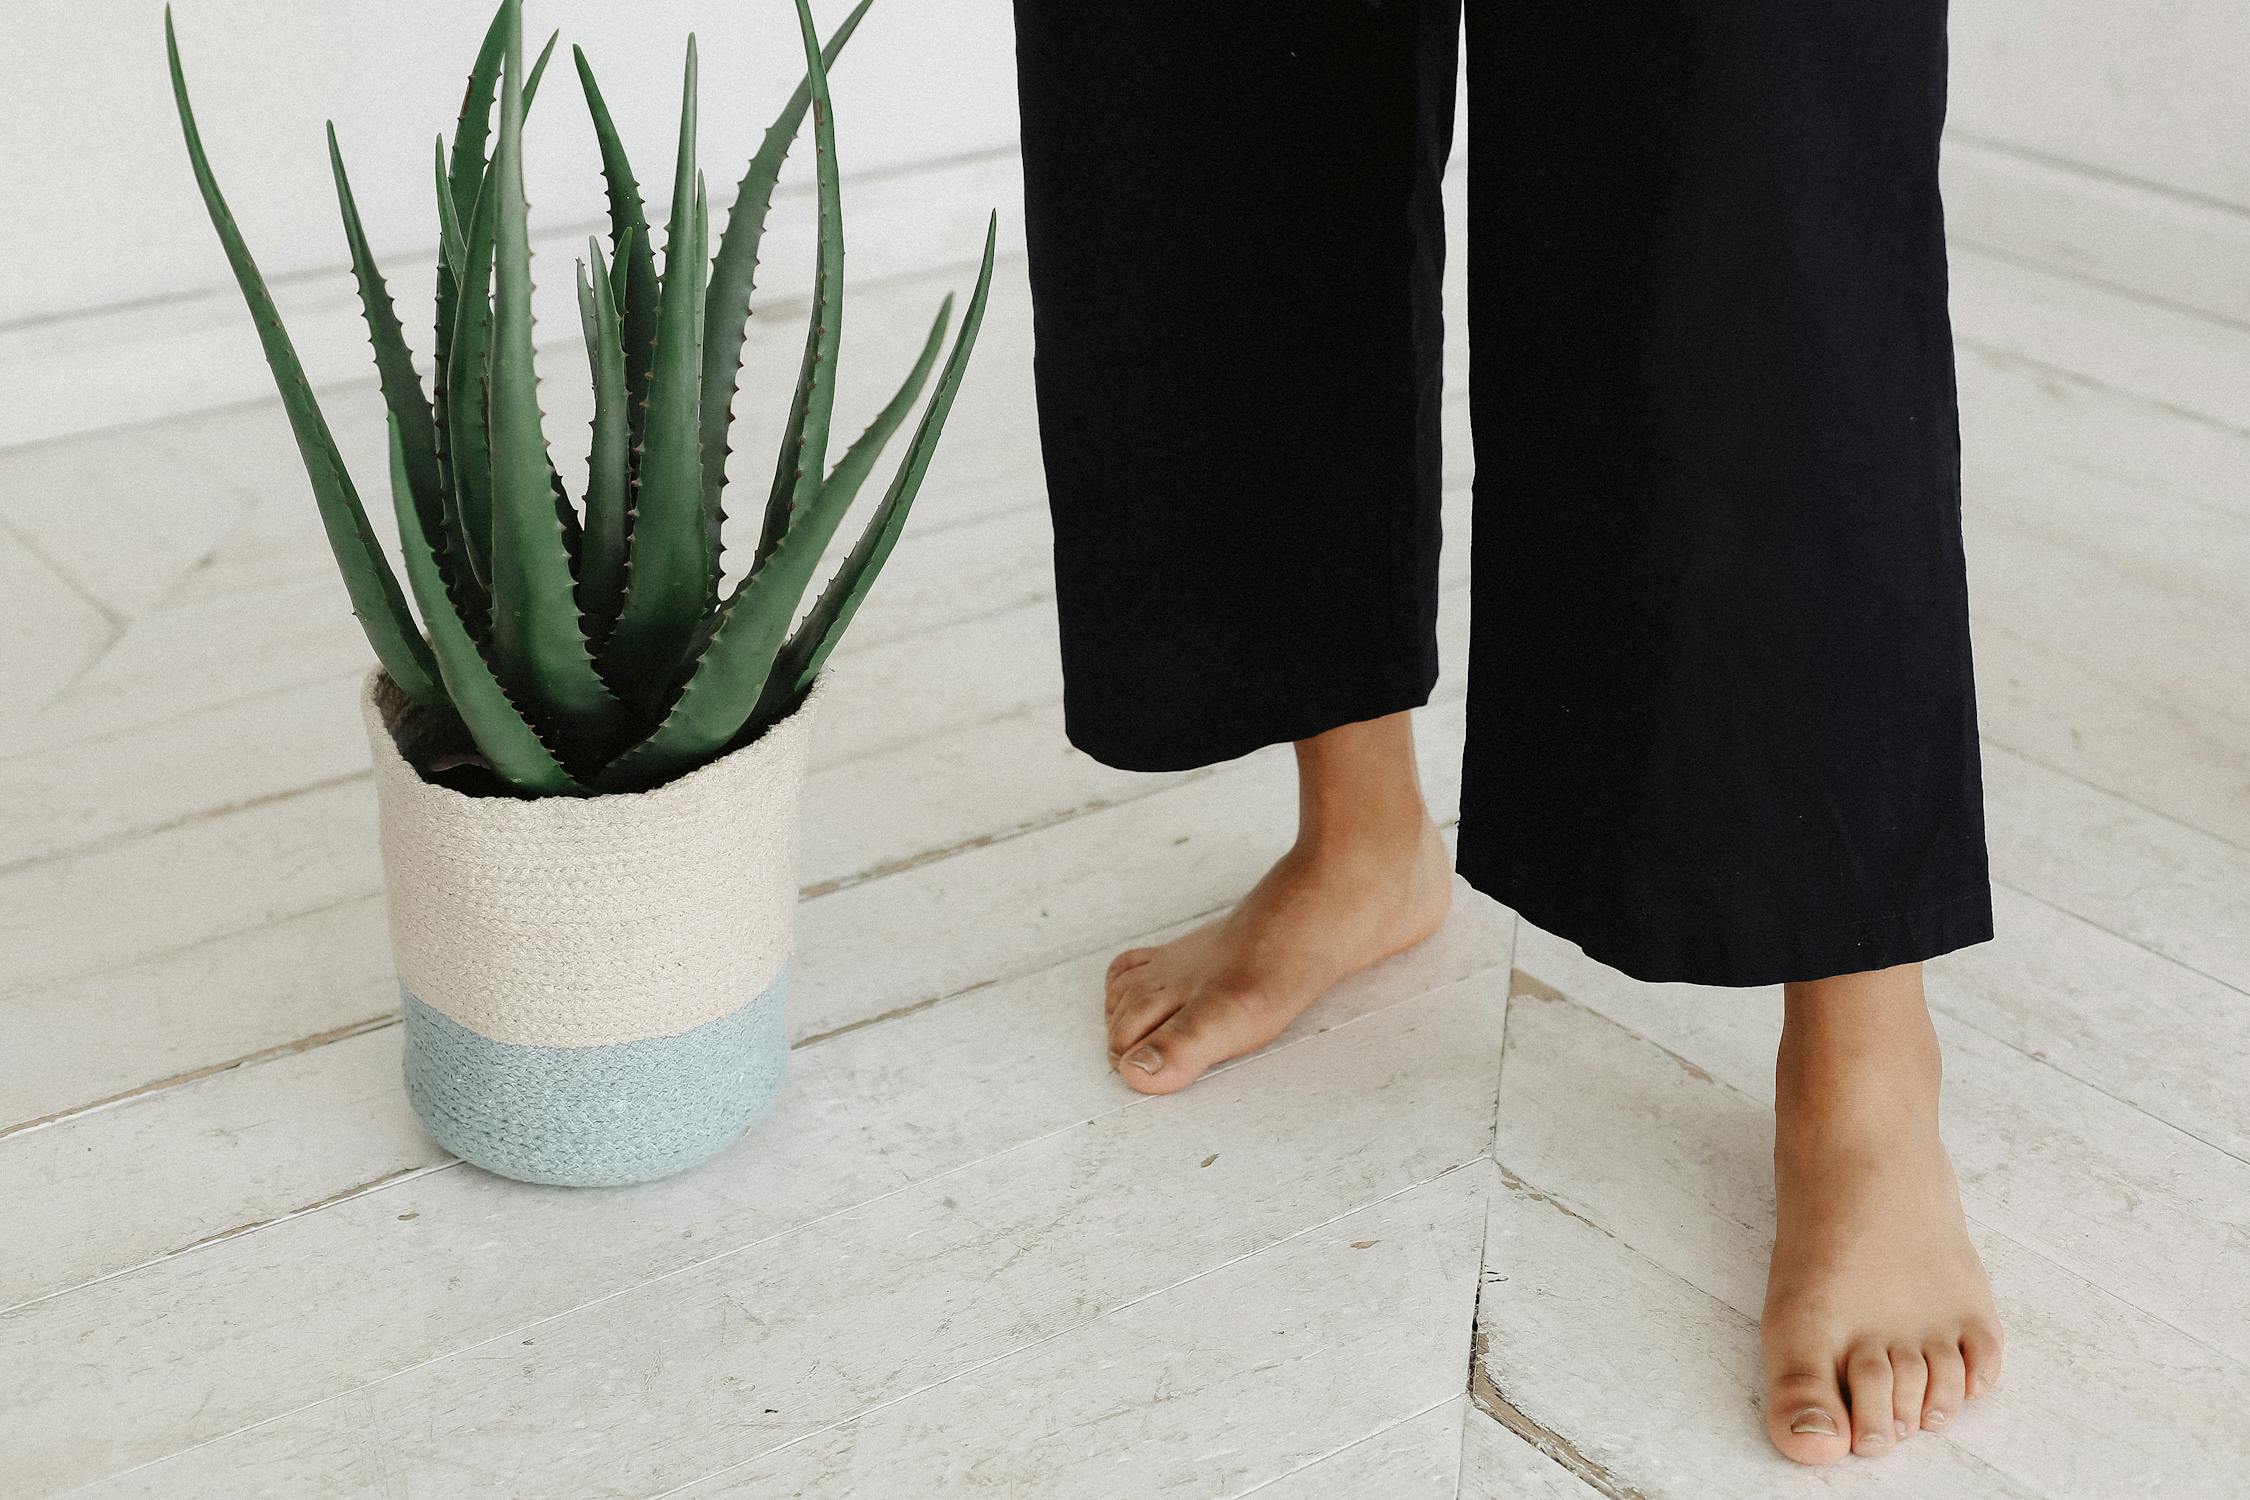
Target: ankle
[(1860, 1042), (1374, 843), (1359, 791)]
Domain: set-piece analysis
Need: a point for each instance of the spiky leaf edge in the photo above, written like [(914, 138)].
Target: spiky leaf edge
[(715, 706), (538, 648), (734, 273), (808, 650), (394, 365), (601, 578), (467, 389), (368, 579), (667, 595), (803, 458), (502, 734), (634, 285), (461, 181)]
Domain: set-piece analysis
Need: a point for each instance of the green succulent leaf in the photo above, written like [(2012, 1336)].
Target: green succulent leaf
[(449, 220), (668, 588), (394, 365), (730, 677), (463, 183), (808, 650), (464, 178), (539, 650), (467, 412), (368, 578), (734, 273), (538, 69), (502, 734), (601, 584), (804, 439), (453, 254), (632, 252), (475, 123)]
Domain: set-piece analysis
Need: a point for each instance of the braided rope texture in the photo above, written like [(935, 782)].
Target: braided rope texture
[(573, 969), (595, 1116), (583, 921)]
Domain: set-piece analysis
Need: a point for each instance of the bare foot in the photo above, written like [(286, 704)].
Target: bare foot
[(1369, 877), (1878, 1319)]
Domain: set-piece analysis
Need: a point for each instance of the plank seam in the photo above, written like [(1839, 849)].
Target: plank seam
[(381, 1023), (365, 1189), (1137, 1101), (2006, 355), (177, 1080), (1103, 1316), (1978, 1221), (1484, 1393), (1358, 1442), (2079, 274)]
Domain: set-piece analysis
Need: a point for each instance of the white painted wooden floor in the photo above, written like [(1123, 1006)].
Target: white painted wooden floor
[(1490, 1222)]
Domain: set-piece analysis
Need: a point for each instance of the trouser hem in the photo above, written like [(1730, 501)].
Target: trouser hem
[(1185, 740), (1730, 949)]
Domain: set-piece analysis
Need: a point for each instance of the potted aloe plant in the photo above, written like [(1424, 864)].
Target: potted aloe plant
[(589, 752)]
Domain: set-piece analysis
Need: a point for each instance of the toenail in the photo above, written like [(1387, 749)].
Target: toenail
[(1870, 1441), (1146, 1059), (1813, 1419), (1933, 1419), (1898, 1430)]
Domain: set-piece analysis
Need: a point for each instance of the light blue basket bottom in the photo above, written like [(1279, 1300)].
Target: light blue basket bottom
[(595, 1116)]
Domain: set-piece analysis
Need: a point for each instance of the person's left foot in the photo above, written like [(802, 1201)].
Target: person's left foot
[(1329, 908), (1879, 1321)]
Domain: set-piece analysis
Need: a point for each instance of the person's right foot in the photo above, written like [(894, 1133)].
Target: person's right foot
[(1878, 1322), (1330, 907)]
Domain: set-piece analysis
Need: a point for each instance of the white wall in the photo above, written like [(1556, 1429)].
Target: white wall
[(2111, 136), (103, 210)]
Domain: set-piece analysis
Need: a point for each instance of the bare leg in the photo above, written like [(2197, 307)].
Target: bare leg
[(1367, 877), (1878, 1319)]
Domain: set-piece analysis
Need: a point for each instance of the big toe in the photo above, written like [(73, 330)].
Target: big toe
[(1178, 1052), (1806, 1417)]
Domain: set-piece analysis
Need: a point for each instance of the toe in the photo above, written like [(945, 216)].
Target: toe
[(1948, 1386), (1867, 1376), (1119, 982), (1910, 1383), (1805, 1417), (1980, 1352), (1137, 1013), (1127, 961), (1174, 1055)]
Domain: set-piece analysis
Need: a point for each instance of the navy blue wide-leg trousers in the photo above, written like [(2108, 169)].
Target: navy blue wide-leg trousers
[(1722, 726)]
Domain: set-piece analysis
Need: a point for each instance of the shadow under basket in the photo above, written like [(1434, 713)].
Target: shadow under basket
[(593, 987)]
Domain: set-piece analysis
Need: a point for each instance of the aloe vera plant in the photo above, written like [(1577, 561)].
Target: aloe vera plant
[(593, 646)]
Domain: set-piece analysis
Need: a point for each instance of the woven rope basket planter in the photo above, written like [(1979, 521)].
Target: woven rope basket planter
[(593, 986)]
